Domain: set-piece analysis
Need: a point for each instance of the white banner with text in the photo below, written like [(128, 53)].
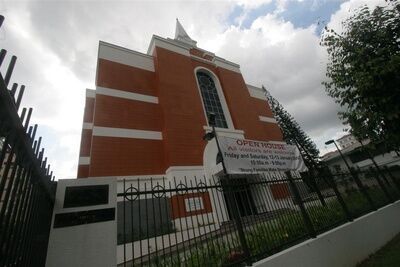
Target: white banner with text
[(249, 156)]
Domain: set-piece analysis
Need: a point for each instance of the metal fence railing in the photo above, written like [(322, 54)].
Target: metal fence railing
[(26, 189), (236, 220)]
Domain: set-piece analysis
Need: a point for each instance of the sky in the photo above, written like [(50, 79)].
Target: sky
[(275, 42)]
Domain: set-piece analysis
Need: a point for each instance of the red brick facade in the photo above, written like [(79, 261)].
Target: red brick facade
[(153, 102)]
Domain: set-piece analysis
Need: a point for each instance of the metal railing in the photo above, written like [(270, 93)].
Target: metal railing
[(26, 189), (237, 220)]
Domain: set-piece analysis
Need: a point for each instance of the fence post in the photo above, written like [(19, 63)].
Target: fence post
[(331, 182), (296, 194), (311, 175), (237, 219), (376, 176), (362, 189)]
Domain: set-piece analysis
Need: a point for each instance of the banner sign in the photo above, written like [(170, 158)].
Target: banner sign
[(249, 156)]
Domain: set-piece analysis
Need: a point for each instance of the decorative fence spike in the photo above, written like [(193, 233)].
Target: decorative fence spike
[(10, 69), (3, 54)]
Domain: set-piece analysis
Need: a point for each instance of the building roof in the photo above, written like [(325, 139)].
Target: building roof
[(343, 137), (334, 154)]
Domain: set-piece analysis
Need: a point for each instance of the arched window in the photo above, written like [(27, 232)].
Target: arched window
[(212, 103)]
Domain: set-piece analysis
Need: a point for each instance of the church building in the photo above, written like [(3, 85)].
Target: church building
[(148, 113), (144, 126)]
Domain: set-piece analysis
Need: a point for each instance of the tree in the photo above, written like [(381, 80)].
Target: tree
[(364, 72), (294, 135), (292, 132)]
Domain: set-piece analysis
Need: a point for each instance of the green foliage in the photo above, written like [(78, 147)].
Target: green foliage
[(363, 72), (292, 132), (323, 217), (267, 236), (356, 203)]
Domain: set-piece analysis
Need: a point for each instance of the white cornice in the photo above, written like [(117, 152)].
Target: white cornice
[(203, 60), (90, 93), (234, 133), (184, 49), (84, 161), (256, 92), (223, 63), (125, 56), (87, 125), (167, 44)]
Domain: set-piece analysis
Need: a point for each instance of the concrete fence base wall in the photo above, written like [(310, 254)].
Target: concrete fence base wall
[(344, 246)]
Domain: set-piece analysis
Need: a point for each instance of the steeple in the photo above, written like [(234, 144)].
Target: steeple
[(181, 35)]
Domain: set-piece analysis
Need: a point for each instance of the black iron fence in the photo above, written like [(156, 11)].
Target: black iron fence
[(26, 189), (237, 220)]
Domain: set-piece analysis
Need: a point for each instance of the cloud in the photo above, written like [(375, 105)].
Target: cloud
[(289, 62)]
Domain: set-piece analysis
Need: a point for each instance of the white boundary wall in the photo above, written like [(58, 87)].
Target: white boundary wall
[(85, 245), (346, 245)]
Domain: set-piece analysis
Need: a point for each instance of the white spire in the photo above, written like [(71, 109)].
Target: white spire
[(181, 35)]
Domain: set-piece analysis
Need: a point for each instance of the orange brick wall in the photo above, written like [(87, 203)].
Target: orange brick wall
[(89, 110), (243, 107), (83, 171), (182, 109), (113, 156), (179, 116), (262, 107), (128, 114), (86, 137), (123, 77), (86, 141)]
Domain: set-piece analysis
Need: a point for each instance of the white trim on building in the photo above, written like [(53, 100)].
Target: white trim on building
[(126, 95), (90, 93), (267, 119), (220, 92), (167, 44), (84, 161), (203, 60), (87, 125), (126, 133), (184, 49), (125, 56), (223, 63), (256, 92), (234, 133)]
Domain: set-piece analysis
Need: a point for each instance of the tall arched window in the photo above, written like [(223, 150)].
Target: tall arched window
[(211, 101)]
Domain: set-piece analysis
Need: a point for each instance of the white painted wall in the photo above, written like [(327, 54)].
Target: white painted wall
[(387, 159), (83, 245), (344, 246)]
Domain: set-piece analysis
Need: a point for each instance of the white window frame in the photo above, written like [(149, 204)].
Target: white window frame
[(220, 93)]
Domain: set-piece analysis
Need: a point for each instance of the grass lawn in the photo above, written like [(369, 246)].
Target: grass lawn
[(388, 256)]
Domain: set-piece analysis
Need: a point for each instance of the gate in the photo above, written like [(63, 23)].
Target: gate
[(26, 187)]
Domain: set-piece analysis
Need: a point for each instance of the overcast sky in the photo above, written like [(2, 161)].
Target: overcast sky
[(276, 43)]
